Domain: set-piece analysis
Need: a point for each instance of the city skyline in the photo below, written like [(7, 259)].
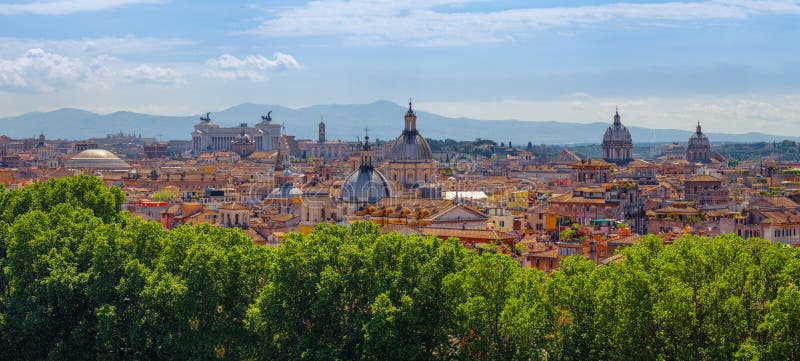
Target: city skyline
[(729, 64)]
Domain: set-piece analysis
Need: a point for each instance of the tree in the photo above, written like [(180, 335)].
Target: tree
[(500, 310), (82, 280), (354, 293), (50, 308)]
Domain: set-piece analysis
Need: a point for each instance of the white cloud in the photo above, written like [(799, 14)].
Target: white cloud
[(63, 7), (39, 71), (422, 23), (123, 45), (155, 75), (251, 67)]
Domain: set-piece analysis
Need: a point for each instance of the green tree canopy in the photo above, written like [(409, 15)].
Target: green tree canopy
[(82, 280)]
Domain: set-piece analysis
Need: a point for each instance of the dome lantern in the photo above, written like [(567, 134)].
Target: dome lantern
[(411, 119)]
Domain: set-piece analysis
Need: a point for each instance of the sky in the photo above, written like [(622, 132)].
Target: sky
[(733, 65)]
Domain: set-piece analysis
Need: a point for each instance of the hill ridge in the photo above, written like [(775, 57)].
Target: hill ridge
[(344, 121)]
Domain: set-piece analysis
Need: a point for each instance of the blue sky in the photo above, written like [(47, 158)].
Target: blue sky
[(734, 65)]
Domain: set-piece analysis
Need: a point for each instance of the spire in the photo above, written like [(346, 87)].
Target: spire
[(616, 117), (699, 131), (282, 157), (279, 161), (411, 119)]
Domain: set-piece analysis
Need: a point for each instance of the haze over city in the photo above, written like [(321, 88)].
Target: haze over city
[(731, 64)]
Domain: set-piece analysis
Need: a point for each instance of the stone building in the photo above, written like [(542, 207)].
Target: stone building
[(46, 156), (155, 150), (706, 190), (234, 214), (410, 158), (591, 171), (674, 151), (323, 148), (699, 148), (617, 143), (210, 137)]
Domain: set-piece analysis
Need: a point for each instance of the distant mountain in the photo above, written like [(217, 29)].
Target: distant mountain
[(344, 121)]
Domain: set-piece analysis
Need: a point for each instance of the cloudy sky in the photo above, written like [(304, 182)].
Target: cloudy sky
[(732, 64)]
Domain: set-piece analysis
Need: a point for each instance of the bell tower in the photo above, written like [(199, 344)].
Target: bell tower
[(321, 135)]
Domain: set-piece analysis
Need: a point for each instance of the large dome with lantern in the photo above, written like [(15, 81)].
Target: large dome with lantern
[(410, 146), (617, 142)]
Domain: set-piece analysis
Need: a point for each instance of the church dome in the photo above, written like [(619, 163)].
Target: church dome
[(699, 147), (365, 185), (285, 191), (617, 132), (410, 147), (698, 134), (98, 159), (617, 143)]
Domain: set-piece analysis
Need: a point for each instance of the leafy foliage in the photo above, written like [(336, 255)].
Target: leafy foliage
[(82, 280)]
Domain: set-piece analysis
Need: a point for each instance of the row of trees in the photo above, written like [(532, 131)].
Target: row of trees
[(82, 280), (483, 147)]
